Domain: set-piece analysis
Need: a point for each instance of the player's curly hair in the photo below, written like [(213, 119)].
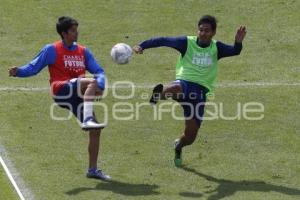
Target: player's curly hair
[(64, 23), (208, 19)]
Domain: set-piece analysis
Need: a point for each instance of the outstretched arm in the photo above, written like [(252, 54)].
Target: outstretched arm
[(178, 43), (95, 68), (225, 50), (45, 57)]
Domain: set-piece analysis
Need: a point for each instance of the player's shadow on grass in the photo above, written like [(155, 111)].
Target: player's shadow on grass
[(228, 188), (128, 189)]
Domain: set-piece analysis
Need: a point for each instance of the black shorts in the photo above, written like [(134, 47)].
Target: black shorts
[(192, 100), (68, 98)]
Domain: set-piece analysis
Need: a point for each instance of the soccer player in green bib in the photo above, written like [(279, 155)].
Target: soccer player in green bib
[(196, 72)]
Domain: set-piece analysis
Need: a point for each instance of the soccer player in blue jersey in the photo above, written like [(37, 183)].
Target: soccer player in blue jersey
[(196, 71), (67, 63)]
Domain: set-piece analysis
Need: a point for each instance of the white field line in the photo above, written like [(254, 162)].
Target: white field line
[(146, 86), (14, 176), (33, 89), (257, 84), (13, 182)]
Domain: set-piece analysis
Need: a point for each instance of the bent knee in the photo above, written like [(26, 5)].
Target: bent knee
[(176, 88), (98, 92), (94, 84)]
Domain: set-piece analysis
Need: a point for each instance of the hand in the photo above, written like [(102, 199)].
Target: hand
[(240, 34), (12, 71), (138, 49)]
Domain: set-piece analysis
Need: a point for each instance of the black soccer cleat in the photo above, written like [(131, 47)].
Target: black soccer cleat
[(178, 154), (156, 93)]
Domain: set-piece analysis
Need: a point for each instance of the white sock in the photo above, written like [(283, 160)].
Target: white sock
[(87, 109)]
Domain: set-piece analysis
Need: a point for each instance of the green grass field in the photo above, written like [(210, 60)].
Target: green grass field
[(237, 159), (6, 191)]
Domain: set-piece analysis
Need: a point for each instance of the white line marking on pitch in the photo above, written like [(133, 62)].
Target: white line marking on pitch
[(221, 85), (11, 178)]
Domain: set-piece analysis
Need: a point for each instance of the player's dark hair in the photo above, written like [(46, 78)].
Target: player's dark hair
[(64, 23), (208, 19)]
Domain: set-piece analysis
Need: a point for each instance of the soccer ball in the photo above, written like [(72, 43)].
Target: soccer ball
[(121, 53)]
